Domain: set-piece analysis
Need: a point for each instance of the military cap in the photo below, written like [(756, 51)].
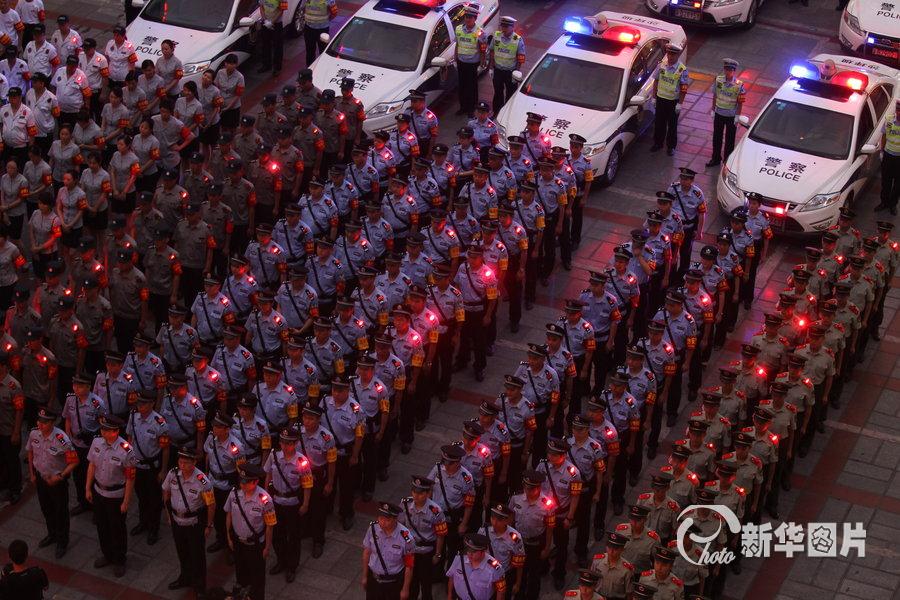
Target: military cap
[(472, 428), (250, 472), (537, 350), (622, 253), (421, 483), (596, 403), (695, 426), (730, 63), (706, 495), (513, 381), (638, 512), (222, 419), (817, 331), (532, 478), (749, 350), (476, 542), (176, 379), (487, 408), (45, 414), (693, 275), (774, 320), (680, 451), (141, 340), (656, 326), (675, 297), (616, 540), (533, 118), (111, 422), (711, 397), (664, 555), (830, 237), (884, 225), (640, 236), (664, 197), (786, 299), (796, 361), (598, 277), (452, 453), (555, 329), (726, 468), (762, 414), (147, 396), (742, 439), (557, 445), (857, 262), (829, 306), (311, 408), (661, 479)]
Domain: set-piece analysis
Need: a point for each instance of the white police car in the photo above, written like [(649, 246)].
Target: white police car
[(814, 146), (204, 32), (707, 13), (392, 46), (872, 28), (596, 81)]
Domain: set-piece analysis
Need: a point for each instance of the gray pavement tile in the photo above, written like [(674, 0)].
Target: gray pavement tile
[(802, 590), (834, 511), (865, 590), (804, 570), (831, 573), (873, 577), (863, 483), (866, 469), (866, 449)]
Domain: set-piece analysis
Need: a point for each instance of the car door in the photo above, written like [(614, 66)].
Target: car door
[(639, 82), (242, 39), (435, 81), (863, 165)]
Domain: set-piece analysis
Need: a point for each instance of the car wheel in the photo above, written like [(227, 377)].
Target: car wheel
[(612, 165), (751, 16), (295, 29)]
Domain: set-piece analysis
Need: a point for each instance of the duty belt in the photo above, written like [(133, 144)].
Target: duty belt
[(109, 488), (387, 578), (186, 515)]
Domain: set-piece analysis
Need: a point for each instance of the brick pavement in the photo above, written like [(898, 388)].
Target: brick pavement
[(852, 472)]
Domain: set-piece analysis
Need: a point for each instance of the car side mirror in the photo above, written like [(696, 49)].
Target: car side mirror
[(637, 100), (439, 62), (244, 22), (744, 121), (517, 76), (324, 38), (137, 3), (868, 149)]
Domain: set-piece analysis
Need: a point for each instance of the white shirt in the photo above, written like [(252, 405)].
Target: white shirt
[(67, 45), (8, 22), (43, 109), (16, 74), (31, 11), (16, 125), (95, 67), (69, 89), (120, 59), (43, 59)]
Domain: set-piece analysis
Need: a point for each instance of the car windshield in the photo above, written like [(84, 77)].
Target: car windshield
[(191, 14), (379, 43), (806, 129), (576, 82)]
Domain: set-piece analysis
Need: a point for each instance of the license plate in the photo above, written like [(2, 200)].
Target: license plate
[(885, 52), (691, 15)]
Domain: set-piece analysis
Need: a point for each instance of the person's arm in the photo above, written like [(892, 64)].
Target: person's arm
[(407, 577), (89, 482), (364, 580), (267, 549), (228, 530), (129, 490), (16, 437)]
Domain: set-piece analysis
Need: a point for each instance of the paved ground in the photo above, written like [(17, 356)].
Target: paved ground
[(852, 473)]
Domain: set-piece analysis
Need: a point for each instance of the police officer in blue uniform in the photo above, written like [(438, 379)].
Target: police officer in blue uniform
[(389, 556)]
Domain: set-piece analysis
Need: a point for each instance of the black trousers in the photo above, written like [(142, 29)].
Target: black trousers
[(636, 460), (312, 524), (387, 590), (191, 284), (272, 46), (473, 340), (347, 480), (514, 476), (423, 576), (54, 503), (684, 254), (674, 399), (534, 569), (780, 472), (149, 496), (583, 518), (369, 458), (110, 528), (468, 85), (286, 535), (577, 220), (600, 508), (513, 288), (442, 368), (818, 409), (665, 127), (532, 273), (723, 125), (548, 251), (504, 88), (312, 43), (12, 465), (191, 553), (250, 568), (221, 497), (79, 475), (159, 308), (565, 243), (561, 543), (621, 469), (748, 288), (125, 330), (890, 179)]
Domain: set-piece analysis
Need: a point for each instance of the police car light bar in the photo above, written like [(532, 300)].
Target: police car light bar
[(623, 33), (851, 79), (804, 71), (578, 25)]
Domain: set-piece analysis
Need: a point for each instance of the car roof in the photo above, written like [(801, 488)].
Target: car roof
[(608, 52), (407, 14), (851, 103)]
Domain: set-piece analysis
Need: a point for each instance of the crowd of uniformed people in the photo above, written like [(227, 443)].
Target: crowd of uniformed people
[(232, 320)]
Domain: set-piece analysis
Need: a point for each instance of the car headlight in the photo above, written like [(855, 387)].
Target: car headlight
[(731, 182), (197, 67), (820, 201), (593, 149), (852, 22), (385, 108), (718, 3)]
